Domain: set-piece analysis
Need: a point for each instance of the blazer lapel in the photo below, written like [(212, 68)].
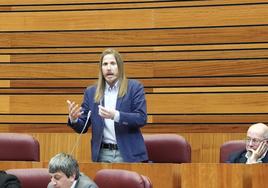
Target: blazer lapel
[(265, 159), (99, 118), (118, 103)]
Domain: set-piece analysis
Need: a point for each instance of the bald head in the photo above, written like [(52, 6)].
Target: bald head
[(258, 130)]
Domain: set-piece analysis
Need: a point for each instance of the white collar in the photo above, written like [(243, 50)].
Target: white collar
[(259, 160), (115, 86), (74, 183)]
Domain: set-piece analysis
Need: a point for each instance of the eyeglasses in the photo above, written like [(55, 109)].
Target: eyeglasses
[(254, 141)]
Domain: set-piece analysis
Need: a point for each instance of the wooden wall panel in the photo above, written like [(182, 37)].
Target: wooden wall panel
[(207, 103), (53, 143), (205, 146), (41, 104), (204, 66), (5, 58), (150, 70), (157, 103), (130, 19), (147, 38), (73, 2), (153, 119), (5, 83), (81, 83), (75, 20), (144, 57), (188, 175), (4, 104)]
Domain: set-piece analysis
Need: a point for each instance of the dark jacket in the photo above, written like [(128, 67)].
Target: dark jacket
[(9, 180), (82, 182), (240, 157)]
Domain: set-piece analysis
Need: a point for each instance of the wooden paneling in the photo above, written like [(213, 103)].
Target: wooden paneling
[(207, 103), (81, 84), (29, 5), (153, 119), (189, 175), (73, 2), (157, 103), (204, 146), (150, 70), (4, 58), (4, 83), (203, 65), (4, 104), (130, 19), (215, 176), (154, 38), (145, 57), (169, 176)]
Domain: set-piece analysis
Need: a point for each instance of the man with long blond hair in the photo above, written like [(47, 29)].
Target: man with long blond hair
[(115, 108)]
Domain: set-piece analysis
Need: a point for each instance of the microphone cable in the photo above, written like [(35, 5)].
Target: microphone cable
[(80, 134)]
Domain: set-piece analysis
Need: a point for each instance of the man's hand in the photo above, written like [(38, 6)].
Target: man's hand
[(74, 111), (256, 154), (106, 113)]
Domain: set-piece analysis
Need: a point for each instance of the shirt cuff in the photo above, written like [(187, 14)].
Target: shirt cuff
[(73, 121), (117, 116)]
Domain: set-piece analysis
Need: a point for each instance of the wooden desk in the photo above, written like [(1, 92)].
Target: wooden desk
[(192, 175), (203, 175), (161, 175)]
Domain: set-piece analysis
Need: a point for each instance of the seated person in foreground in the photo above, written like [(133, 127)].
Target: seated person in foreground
[(64, 171), (256, 146)]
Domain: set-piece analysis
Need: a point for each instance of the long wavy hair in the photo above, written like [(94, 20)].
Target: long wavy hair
[(123, 83)]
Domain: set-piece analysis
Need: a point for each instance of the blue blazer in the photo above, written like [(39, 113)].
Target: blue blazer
[(133, 116)]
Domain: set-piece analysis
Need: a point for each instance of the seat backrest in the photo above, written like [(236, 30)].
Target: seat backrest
[(115, 178), (31, 177), (230, 147), (147, 182), (167, 148), (18, 147)]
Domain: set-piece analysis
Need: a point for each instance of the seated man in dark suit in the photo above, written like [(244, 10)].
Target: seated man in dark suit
[(64, 171), (256, 146)]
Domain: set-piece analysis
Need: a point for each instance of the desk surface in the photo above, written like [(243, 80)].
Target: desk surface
[(192, 175)]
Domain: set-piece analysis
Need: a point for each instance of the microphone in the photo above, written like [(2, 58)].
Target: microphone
[(80, 134)]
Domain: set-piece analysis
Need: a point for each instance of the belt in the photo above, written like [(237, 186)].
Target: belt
[(109, 146)]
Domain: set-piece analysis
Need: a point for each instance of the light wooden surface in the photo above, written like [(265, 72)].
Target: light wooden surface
[(129, 19), (191, 175), (223, 175), (205, 147)]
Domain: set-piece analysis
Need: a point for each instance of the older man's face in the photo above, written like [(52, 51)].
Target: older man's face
[(254, 138)]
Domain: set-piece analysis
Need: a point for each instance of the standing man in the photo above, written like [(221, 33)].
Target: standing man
[(116, 109), (64, 171), (256, 146)]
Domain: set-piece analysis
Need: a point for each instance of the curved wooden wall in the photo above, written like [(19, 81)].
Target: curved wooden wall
[(203, 64)]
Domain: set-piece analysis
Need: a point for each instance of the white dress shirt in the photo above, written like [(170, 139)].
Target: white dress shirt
[(110, 98), (259, 160)]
